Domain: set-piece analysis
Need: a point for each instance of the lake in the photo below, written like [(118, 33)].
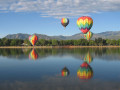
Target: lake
[(60, 69)]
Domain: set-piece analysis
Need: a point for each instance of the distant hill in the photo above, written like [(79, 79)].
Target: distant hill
[(104, 35)]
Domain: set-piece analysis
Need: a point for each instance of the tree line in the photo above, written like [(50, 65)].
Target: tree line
[(54, 42)]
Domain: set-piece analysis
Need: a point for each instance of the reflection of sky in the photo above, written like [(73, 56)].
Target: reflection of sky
[(106, 70), (59, 83)]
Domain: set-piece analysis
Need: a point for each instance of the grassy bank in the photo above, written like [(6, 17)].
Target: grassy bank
[(59, 46)]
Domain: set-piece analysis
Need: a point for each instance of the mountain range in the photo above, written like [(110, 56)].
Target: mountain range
[(104, 35)]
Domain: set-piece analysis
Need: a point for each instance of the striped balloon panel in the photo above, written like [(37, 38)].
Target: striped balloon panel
[(33, 39), (88, 35), (64, 73), (33, 55), (84, 73), (64, 21), (88, 58)]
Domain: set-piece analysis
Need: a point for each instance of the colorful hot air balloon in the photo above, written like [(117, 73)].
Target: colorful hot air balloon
[(85, 72), (85, 23), (65, 72), (33, 55), (33, 39), (88, 35), (88, 58), (64, 22)]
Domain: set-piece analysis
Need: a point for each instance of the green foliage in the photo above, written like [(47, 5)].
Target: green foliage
[(54, 42), (27, 42)]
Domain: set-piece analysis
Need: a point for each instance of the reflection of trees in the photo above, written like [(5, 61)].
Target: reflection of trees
[(75, 52), (13, 53)]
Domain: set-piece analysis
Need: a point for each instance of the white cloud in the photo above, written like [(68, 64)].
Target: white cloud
[(60, 8)]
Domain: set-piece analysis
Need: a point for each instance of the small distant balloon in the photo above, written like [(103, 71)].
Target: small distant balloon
[(85, 72), (33, 55), (33, 39), (84, 23), (65, 72), (64, 22), (88, 35)]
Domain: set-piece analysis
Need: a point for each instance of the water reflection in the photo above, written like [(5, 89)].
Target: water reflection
[(88, 58), (85, 71), (33, 55), (79, 53), (65, 72), (47, 72)]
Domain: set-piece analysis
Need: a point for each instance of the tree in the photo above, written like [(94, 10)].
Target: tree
[(42, 42), (54, 42), (26, 41), (13, 42), (99, 41), (6, 42), (1, 42), (91, 43)]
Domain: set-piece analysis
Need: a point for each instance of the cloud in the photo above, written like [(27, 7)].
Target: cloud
[(60, 8)]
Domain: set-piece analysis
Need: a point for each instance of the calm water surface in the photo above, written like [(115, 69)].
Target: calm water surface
[(60, 69)]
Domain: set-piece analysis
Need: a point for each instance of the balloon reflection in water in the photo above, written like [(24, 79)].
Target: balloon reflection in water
[(88, 58), (85, 71), (65, 72), (33, 55)]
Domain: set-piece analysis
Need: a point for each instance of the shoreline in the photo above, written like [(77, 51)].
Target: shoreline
[(59, 47)]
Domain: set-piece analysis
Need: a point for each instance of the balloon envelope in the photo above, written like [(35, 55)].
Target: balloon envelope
[(65, 72), (33, 39), (85, 23), (64, 22), (88, 35), (33, 55)]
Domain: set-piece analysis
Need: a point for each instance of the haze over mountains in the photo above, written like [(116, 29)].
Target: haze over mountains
[(104, 35)]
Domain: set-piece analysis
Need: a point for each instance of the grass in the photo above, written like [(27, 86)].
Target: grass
[(59, 46)]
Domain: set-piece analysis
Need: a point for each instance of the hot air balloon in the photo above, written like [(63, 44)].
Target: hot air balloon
[(85, 23), (85, 72), (65, 72), (88, 35), (88, 58), (64, 22), (33, 39), (33, 55)]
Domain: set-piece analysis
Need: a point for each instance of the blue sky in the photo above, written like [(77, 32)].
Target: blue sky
[(44, 16)]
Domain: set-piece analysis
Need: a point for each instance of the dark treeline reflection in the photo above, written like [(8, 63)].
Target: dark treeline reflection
[(80, 53)]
